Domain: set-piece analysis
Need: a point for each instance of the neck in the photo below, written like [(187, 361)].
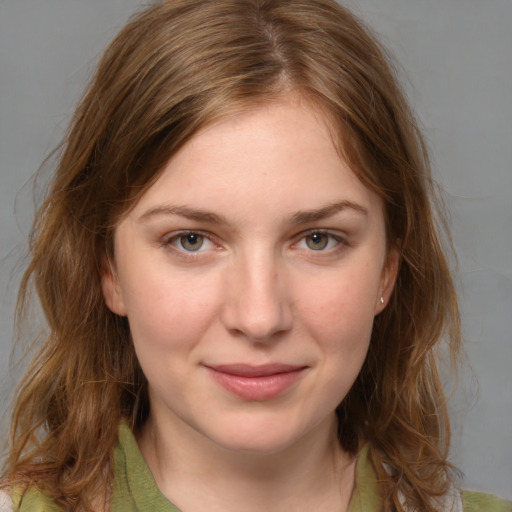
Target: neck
[(196, 474)]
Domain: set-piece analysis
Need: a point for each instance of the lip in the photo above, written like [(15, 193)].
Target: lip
[(257, 383)]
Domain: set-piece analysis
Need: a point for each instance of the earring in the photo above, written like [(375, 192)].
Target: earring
[(382, 300)]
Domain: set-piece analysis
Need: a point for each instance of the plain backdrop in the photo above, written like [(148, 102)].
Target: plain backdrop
[(457, 62)]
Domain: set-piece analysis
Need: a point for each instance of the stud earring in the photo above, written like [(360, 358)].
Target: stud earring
[(382, 300)]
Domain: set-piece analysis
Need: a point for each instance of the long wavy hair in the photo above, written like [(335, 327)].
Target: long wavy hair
[(175, 68)]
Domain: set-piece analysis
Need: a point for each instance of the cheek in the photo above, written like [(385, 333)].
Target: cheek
[(341, 306), (338, 316), (168, 312)]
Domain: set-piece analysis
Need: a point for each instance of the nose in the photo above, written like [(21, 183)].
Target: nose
[(257, 304)]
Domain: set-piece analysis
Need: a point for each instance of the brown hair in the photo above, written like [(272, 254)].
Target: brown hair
[(176, 67)]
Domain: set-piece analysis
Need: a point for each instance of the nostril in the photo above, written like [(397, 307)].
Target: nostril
[(256, 302), (258, 321), (260, 328)]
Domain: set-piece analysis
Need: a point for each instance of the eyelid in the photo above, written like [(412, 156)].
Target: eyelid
[(169, 240), (336, 235)]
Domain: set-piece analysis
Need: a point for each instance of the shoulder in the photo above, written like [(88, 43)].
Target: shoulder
[(482, 502), (31, 500), (5, 501)]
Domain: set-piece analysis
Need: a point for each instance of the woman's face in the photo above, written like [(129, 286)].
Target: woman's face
[(250, 273)]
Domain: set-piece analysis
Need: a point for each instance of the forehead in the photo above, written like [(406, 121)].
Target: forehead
[(280, 155)]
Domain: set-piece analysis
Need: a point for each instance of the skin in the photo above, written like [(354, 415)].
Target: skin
[(290, 265)]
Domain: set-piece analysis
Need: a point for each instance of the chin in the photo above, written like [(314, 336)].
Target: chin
[(258, 444), (255, 437)]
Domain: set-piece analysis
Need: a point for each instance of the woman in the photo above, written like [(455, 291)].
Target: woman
[(242, 278)]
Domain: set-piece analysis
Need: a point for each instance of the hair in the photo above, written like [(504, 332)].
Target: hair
[(176, 67)]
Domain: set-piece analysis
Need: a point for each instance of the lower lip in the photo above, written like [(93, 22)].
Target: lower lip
[(257, 388)]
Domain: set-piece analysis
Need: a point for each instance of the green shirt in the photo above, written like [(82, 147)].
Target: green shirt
[(134, 488)]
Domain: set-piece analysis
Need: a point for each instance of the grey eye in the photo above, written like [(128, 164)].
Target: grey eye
[(317, 241), (191, 241)]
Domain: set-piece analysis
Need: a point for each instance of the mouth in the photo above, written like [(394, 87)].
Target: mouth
[(256, 383)]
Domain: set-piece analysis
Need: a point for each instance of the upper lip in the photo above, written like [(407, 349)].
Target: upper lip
[(247, 370)]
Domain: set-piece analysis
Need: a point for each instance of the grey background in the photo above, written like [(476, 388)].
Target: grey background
[(457, 56)]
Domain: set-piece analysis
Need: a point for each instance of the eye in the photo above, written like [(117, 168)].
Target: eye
[(189, 242), (317, 241), (320, 241)]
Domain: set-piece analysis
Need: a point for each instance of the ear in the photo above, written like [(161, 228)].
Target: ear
[(388, 279), (111, 289)]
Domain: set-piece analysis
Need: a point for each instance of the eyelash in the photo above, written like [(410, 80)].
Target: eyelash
[(174, 239), (341, 242)]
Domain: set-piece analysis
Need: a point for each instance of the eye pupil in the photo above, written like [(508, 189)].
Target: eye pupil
[(191, 241), (317, 241)]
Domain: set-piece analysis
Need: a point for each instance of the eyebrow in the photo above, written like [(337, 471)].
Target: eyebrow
[(299, 217), (306, 216), (186, 212)]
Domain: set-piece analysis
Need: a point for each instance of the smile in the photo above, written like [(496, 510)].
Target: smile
[(256, 383)]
